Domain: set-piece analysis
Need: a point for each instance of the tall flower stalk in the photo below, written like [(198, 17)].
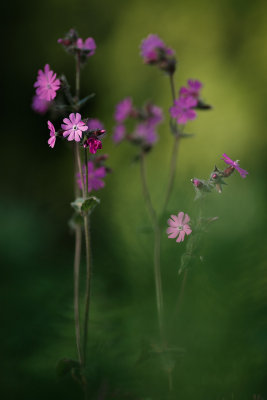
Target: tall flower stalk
[(86, 134)]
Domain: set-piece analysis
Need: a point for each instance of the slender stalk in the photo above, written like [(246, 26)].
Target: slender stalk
[(157, 272), (173, 162), (78, 71), (77, 258), (76, 269), (88, 266)]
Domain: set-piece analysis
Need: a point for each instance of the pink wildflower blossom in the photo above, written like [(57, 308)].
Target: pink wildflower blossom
[(47, 84), (94, 144), (39, 105), (151, 47), (193, 89), (88, 45), (234, 164), (94, 125), (178, 226), (52, 139), (119, 133), (182, 109), (146, 132), (74, 127), (123, 109), (95, 176)]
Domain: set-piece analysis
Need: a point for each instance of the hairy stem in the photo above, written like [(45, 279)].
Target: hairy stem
[(157, 272), (77, 258)]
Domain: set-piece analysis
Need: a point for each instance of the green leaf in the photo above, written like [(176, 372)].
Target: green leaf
[(85, 206), (85, 99)]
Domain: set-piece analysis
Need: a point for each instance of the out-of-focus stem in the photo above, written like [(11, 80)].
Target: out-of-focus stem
[(157, 272), (174, 155)]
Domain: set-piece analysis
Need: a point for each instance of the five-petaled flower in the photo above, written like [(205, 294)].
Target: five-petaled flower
[(178, 227), (234, 164), (47, 84), (93, 144), (123, 109), (95, 176), (153, 49), (193, 89), (88, 46), (39, 105), (52, 139), (182, 110), (74, 127)]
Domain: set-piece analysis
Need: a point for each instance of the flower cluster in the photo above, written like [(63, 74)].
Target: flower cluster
[(145, 120), (184, 106), (75, 45), (97, 171), (75, 129), (155, 52), (178, 227), (216, 177)]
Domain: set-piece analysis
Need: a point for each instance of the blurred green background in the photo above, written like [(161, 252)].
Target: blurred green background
[(222, 323)]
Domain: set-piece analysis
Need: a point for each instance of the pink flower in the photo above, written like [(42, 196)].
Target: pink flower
[(88, 46), (196, 182), (74, 127), (123, 109), (234, 164), (94, 177), (193, 89), (39, 105), (182, 109), (178, 226), (119, 133), (46, 84), (94, 144), (153, 48), (94, 125), (146, 132), (52, 139)]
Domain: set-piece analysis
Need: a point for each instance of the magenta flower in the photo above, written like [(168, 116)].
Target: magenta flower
[(193, 89), (182, 110), (94, 144), (146, 133), (95, 125), (178, 226), (88, 45), (47, 84), (39, 105), (196, 182), (234, 164), (52, 139), (94, 177), (123, 109), (119, 133), (153, 48), (74, 127)]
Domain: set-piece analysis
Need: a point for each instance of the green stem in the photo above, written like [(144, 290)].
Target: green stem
[(77, 83), (157, 272), (88, 267), (76, 269), (173, 163)]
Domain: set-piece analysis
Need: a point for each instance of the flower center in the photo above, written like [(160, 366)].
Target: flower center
[(74, 127), (180, 227)]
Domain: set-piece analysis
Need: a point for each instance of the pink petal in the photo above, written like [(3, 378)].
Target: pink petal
[(186, 219), (175, 218), (72, 118), (180, 237), (180, 218), (172, 232), (77, 118), (187, 229), (172, 223)]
